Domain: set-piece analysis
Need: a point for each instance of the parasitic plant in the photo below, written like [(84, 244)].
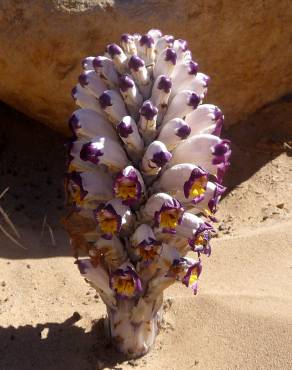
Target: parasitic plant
[(144, 178)]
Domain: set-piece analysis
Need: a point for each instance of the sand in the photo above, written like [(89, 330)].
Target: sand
[(240, 319)]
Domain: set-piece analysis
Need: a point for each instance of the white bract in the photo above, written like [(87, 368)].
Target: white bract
[(144, 178)]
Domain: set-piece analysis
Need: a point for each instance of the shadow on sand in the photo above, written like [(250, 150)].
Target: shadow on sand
[(53, 346)]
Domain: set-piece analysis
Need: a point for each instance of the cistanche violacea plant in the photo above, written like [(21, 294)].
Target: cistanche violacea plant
[(144, 178)]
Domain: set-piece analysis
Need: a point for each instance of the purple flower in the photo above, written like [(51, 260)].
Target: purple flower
[(135, 63), (108, 220), (125, 282), (192, 275), (200, 242), (75, 188), (196, 185), (171, 56), (128, 185), (91, 153), (169, 215)]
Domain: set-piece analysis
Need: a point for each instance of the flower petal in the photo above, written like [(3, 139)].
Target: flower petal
[(155, 157), (85, 99), (105, 69), (113, 105), (128, 132), (86, 123), (128, 44), (173, 132), (182, 104), (165, 63), (131, 95), (125, 281), (129, 185), (140, 74), (206, 119), (91, 81), (160, 94), (118, 56), (203, 153)]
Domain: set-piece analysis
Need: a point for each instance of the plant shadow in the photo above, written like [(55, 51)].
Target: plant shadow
[(58, 346)]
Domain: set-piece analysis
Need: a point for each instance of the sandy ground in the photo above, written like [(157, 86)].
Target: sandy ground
[(242, 317)]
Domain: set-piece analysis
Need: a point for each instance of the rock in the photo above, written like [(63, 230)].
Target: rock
[(243, 46)]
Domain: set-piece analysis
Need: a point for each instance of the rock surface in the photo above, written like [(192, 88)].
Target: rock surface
[(244, 46)]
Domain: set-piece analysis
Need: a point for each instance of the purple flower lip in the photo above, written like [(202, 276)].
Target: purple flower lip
[(148, 110), (105, 100), (74, 123), (184, 131), (164, 84), (186, 279), (161, 158), (89, 153), (125, 83), (135, 63), (124, 129), (83, 80), (171, 56), (197, 173), (113, 50), (221, 148), (126, 37), (212, 204), (97, 63), (193, 68), (194, 100), (146, 40)]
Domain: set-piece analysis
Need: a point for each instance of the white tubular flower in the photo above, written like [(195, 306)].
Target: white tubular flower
[(129, 134), (84, 99), (140, 74), (128, 44), (118, 56), (155, 157), (165, 63), (146, 49), (160, 94), (86, 123), (131, 95), (91, 81), (104, 151), (105, 68), (148, 119), (207, 151), (182, 104), (86, 189), (206, 119), (164, 212), (186, 182), (113, 217), (197, 83), (113, 105), (173, 132), (145, 169)]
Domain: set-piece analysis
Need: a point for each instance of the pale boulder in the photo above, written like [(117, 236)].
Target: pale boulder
[(244, 46)]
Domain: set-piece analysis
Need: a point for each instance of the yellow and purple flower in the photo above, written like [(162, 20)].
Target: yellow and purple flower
[(129, 185), (125, 282)]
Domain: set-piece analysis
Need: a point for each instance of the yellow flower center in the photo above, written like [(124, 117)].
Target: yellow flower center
[(107, 224), (200, 240), (126, 190), (124, 286), (169, 219), (193, 277), (198, 187)]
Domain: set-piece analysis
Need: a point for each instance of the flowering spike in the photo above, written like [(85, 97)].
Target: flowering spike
[(143, 162)]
